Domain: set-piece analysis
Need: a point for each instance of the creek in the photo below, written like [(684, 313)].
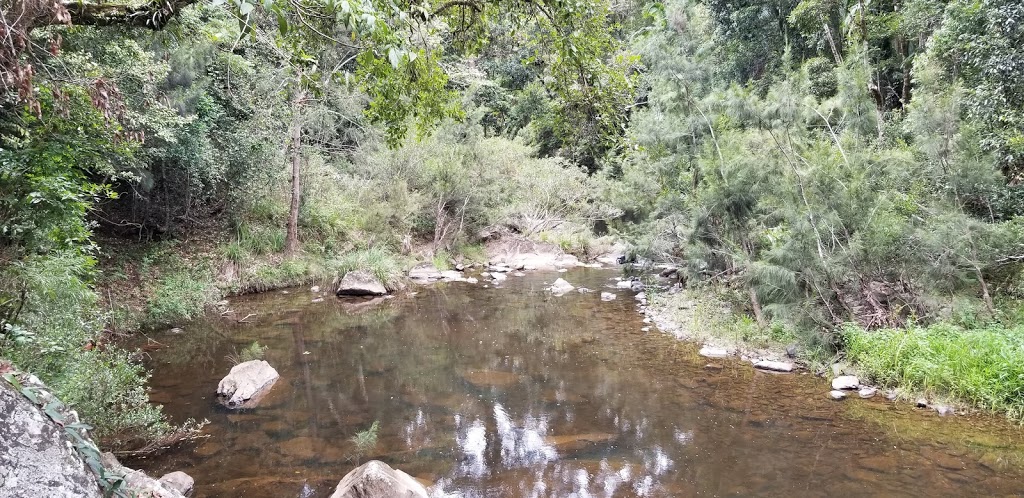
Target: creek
[(511, 391)]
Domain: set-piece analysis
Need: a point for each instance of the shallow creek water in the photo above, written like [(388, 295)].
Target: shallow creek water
[(513, 392)]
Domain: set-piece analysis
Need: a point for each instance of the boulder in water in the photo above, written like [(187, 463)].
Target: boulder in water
[(425, 273), (246, 384), (560, 286), (138, 483), (178, 481), (361, 283), (376, 479), (774, 366)]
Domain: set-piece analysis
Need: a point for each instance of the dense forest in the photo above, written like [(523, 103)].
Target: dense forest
[(846, 174)]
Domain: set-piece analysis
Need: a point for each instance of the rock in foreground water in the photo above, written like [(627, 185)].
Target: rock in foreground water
[(246, 384), (376, 479), (361, 283)]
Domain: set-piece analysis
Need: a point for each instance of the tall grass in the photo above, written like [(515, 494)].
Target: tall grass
[(983, 366), (387, 267)]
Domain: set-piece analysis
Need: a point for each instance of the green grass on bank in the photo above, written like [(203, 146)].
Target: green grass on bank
[(981, 366)]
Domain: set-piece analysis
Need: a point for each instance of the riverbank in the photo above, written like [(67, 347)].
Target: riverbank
[(948, 367)]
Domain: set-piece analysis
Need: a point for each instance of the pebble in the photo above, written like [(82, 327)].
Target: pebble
[(867, 392), (837, 395)]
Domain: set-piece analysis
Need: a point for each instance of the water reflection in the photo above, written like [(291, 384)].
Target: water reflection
[(513, 392)]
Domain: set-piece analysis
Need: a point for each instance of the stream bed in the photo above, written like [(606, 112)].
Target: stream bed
[(512, 392)]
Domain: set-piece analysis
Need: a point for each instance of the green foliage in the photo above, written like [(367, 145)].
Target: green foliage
[(983, 366), (366, 440), (180, 294), (251, 352), (60, 327)]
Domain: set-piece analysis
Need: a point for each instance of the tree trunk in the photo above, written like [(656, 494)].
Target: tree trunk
[(291, 243), (756, 304), (984, 293)]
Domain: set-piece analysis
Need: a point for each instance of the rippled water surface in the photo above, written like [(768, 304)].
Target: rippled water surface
[(513, 392)]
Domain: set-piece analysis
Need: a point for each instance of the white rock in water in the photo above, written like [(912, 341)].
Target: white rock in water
[(711, 352), (607, 296), (314, 289), (375, 479), (944, 410), (847, 382), (775, 366), (499, 277), (360, 283), (246, 384), (624, 284), (837, 395), (645, 329), (560, 286), (867, 392), (472, 280)]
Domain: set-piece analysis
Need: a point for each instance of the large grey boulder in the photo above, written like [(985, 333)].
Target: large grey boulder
[(375, 479), (246, 384), (361, 283), (36, 456)]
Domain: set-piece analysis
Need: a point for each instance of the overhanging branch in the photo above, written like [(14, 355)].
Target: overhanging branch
[(154, 15)]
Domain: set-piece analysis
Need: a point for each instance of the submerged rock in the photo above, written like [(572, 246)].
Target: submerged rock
[(36, 457), (774, 366), (361, 283), (713, 352), (845, 382), (376, 479), (490, 378), (560, 286), (607, 296), (246, 384), (576, 442)]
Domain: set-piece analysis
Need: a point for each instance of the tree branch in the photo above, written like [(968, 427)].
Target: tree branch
[(154, 15)]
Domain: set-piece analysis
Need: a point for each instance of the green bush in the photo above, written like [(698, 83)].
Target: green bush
[(180, 295), (57, 337), (984, 366)]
